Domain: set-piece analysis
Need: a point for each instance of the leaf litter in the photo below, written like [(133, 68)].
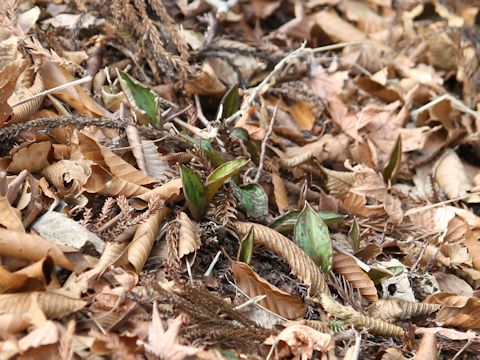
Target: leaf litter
[(229, 179)]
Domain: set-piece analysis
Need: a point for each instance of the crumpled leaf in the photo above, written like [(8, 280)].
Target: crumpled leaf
[(189, 235), (253, 198)]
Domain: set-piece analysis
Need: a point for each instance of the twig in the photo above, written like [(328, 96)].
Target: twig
[(428, 207), (456, 102), (457, 355), (212, 264), (189, 271), (55, 89), (264, 145), (270, 79), (253, 300)]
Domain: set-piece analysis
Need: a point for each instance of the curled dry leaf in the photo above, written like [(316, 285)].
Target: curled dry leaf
[(302, 340), (9, 75), (136, 145), (278, 301), (345, 265), (32, 158), (189, 236), (108, 160), (155, 166), (24, 111), (142, 243), (280, 192), (68, 176), (302, 266), (31, 247)]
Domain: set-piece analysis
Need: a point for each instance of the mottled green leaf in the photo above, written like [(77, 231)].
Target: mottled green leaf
[(246, 247), (311, 234), (206, 146), (285, 223), (222, 174), (242, 135), (378, 273), (141, 99), (194, 192), (391, 169), (354, 235), (253, 198), (230, 102)]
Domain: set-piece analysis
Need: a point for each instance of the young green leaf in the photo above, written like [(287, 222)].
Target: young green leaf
[(285, 223), (194, 192), (230, 102), (242, 135), (391, 169), (354, 235), (142, 100), (253, 198), (246, 247), (221, 174), (311, 234)]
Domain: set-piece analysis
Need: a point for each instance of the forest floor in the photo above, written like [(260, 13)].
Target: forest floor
[(241, 179)]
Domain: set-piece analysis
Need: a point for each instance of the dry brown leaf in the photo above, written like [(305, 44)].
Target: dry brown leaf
[(54, 75), (207, 84), (301, 265), (142, 243), (280, 193), (10, 281), (339, 182), (473, 245), (135, 142), (10, 218), (189, 236), (452, 186), (103, 183), (278, 301), (459, 311), (32, 158), (31, 247), (168, 192), (345, 265), (327, 148), (111, 162), (8, 78), (12, 323), (68, 176)]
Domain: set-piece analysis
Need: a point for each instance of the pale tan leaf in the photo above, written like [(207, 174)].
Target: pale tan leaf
[(8, 78), (301, 265), (10, 218), (107, 159), (278, 301), (189, 236), (31, 247), (327, 148), (33, 158), (280, 192), (345, 265), (303, 340), (155, 166), (452, 186), (53, 304), (473, 245), (427, 350), (339, 182), (337, 28), (12, 323), (136, 145), (142, 243)]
